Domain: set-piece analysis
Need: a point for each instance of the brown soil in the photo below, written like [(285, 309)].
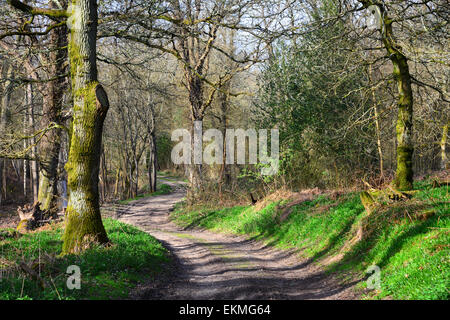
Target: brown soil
[(8, 216), (218, 266)]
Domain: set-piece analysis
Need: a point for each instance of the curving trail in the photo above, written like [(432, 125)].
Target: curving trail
[(218, 266)]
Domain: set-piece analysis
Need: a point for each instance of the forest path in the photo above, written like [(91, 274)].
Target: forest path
[(219, 266)]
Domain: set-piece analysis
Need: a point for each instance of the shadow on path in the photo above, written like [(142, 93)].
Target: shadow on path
[(218, 266)]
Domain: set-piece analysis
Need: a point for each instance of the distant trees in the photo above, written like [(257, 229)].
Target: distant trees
[(311, 90), (44, 58), (356, 62), (141, 89), (32, 66), (400, 26), (188, 31), (52, 114)]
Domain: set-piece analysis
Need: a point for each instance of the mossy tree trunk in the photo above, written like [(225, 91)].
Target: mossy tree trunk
[(83, 221), (52, 107), (405, 149)]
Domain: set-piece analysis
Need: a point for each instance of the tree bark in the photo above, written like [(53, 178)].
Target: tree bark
[(52, 107), (405, 149), (443, 145), (225, 175), (152, 163), (136, 165), (34, 167), (83, 222), (195, 168), (116, 185)]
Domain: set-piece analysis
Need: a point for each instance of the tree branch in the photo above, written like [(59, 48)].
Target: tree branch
[(51, 13)]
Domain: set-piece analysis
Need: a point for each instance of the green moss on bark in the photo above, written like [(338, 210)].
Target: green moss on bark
[(84, 224), (404, 175), (83, 220)]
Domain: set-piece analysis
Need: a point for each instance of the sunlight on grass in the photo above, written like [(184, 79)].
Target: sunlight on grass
[(412, 254), (106, 272)]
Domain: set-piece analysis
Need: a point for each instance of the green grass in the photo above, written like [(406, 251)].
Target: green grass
[(163, 189), (167, 175), (106, 272), (413, 254)]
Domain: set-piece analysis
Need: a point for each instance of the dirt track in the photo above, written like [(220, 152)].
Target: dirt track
[(218, 266)]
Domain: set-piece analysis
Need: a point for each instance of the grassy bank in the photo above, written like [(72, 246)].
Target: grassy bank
[(106, 272), (408, 240)]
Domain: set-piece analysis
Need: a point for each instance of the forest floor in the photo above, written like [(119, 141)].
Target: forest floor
[(8, 216), (221, 266), (306, 245)]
